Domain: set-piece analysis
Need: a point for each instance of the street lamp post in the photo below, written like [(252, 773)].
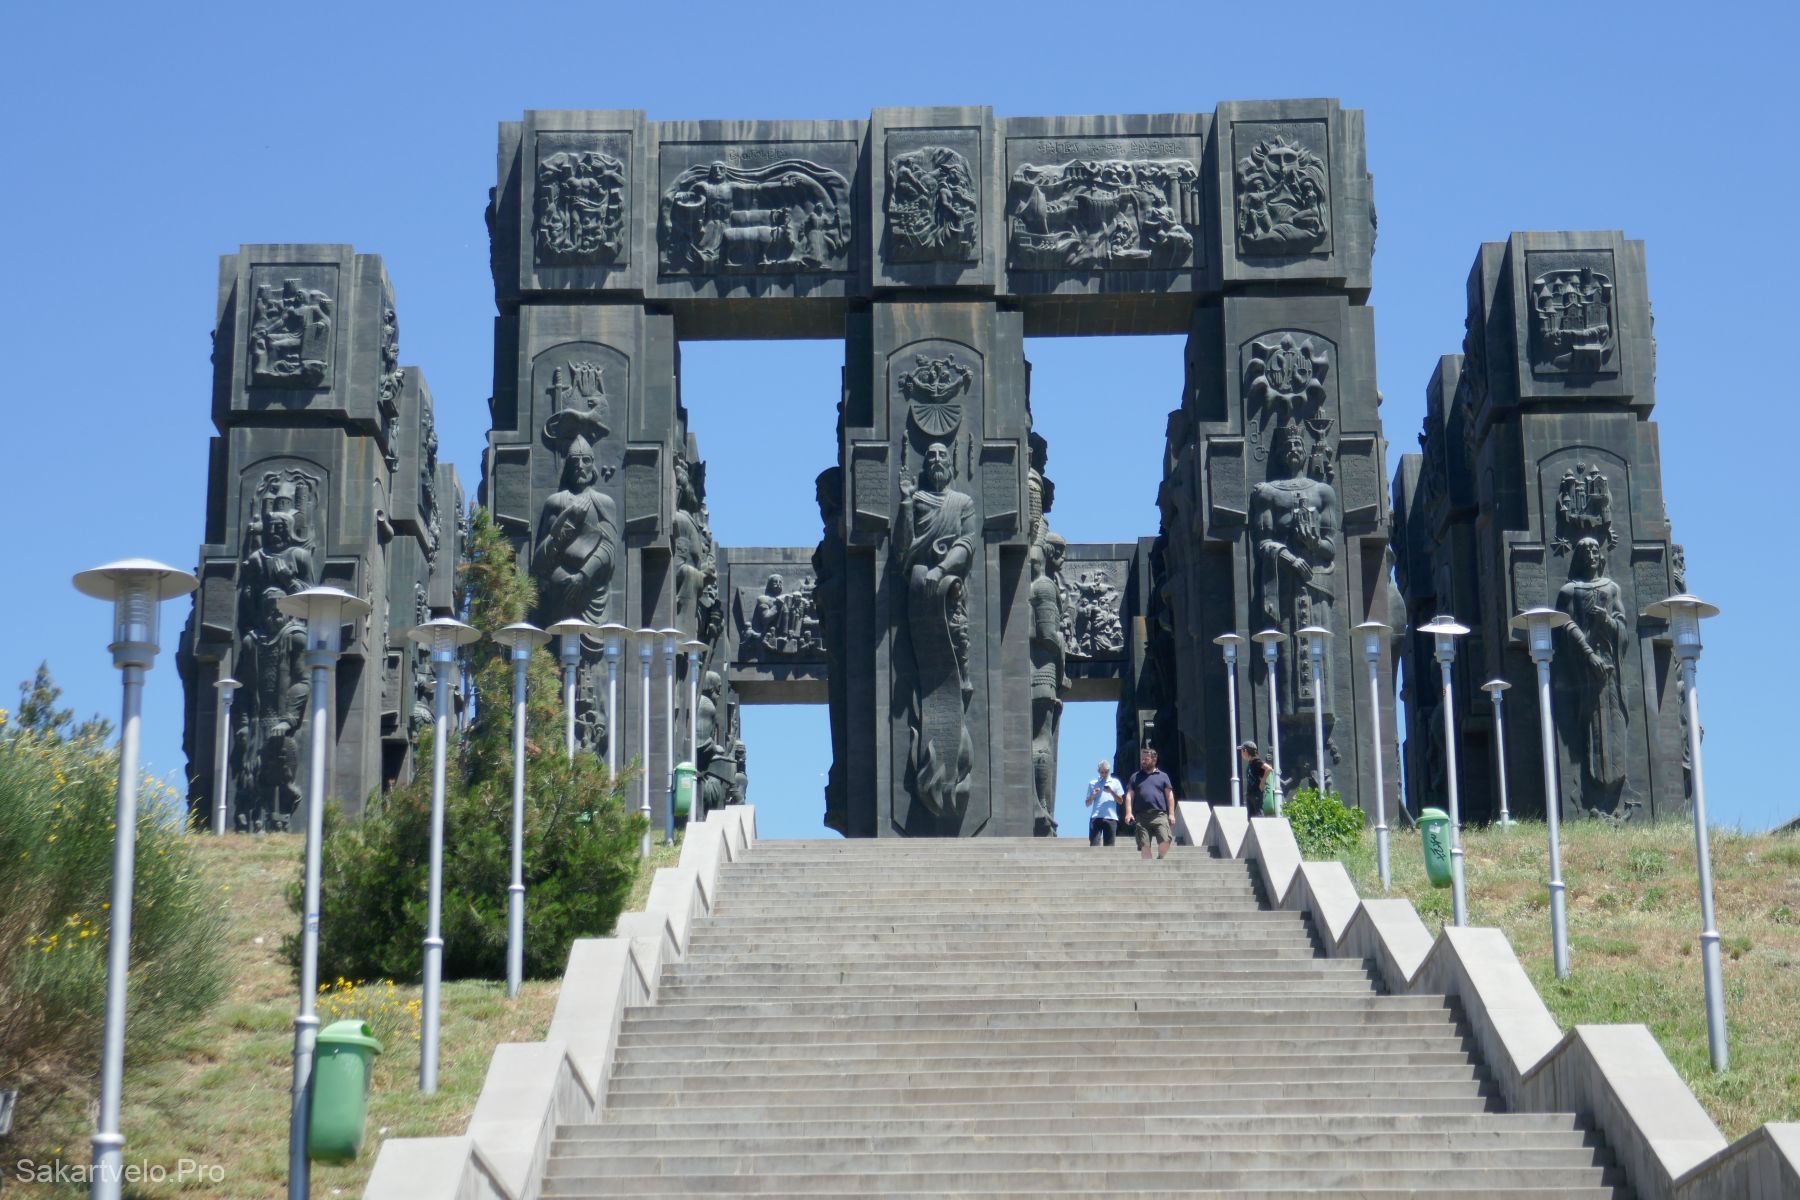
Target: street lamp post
[(694, 648), (1444, 632), (1539, 626), (1684, 614), (1374, 633), (614, 635), (1494, 688), (325, 611), (1229, 643), (669, 637), (136, 587), (646, 640), (222, 765), (570, 632), (1270, 640), (1316, 636), (522, 639), (445, 635)]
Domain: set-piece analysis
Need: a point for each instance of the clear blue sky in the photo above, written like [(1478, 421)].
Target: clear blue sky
[(143, 141)]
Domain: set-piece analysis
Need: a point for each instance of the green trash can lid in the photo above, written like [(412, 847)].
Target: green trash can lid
[(684, 768), (1433, 814), (349, 1033)]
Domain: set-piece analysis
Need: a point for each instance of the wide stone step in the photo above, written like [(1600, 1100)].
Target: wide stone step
[(826, 974), (985, 980), (1199, 1065), (928, 1090), (1276, 1129), (568, 1160), (1016, 1045), (1040, 929), (749, 1108), (1076, 1076), (928, 956)]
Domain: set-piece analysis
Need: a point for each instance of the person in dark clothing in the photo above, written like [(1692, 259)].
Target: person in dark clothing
[(1261, 778), (1150, 802)]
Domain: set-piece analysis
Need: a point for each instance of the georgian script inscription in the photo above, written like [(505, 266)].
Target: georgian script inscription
[(578, 216), (932, 211), (1572, 321), (1283, 193), (789, 217), (290, 336), (1103, 214)]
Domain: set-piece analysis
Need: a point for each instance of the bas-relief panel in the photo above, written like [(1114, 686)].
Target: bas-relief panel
[(293, 325), (1103, 203), (932, 201), (1282, 188), (756, 208), (581, 199), (1572, 313), (776, 613)]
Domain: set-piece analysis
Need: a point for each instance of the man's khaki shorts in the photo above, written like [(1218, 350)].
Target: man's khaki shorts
[(1153, 824)]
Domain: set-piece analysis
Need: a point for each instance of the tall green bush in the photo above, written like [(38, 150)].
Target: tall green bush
[(57, 804), (581, 836), (1323, 825)]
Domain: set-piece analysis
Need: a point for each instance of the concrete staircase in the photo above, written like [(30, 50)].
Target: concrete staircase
[(1029, 1018)]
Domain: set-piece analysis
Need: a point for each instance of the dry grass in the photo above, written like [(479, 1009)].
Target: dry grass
[(1634, 923), (221, 1096)]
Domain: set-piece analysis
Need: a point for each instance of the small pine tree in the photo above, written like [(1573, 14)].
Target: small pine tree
[(39, 716), (581, 837)]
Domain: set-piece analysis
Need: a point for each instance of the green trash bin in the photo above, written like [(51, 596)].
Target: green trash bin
[(343, 1067), (684, 789), (1434, 827)]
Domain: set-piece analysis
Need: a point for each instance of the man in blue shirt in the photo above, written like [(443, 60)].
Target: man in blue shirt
[(1150, 802), (1103, 797)]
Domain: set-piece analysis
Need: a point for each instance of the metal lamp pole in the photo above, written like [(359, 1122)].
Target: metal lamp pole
[(571, 632), (1494, 688), (614, 635), (445, 636), (668, 637), (1229, 643), (1374, 633), (694, 648), (1684, 613), (646, 640), (222, 765), (522, 639), (1540, 626), (325, 611), (136, 587), (1315, 636), (1444, 632), (1270, 640)]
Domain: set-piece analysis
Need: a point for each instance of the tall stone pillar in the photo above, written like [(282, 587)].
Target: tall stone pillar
[(1548, 445), (324, 472), (1274, 502)]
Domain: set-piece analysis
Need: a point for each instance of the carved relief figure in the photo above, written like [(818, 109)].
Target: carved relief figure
[(1295, 522), (393, 377), (935, 536), (578, 214), (578, 402), (1090, 616), (290, 336), (1572, 320), (280, 557), (1583, 508), (783, 622), (790, 216), (1049, 675), (932, 211), (1282, 196), (1106, 214), (696, 564), (577, 545), (1588, 667)]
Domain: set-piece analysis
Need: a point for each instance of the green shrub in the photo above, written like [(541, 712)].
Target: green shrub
[(581, 835), (1323, 825), (57, 804)]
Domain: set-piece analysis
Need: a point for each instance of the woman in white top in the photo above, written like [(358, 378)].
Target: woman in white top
[(1103, 796)]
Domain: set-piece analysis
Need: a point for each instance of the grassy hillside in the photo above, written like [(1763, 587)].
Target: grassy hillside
[(221, 1094), (1634, 925)]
